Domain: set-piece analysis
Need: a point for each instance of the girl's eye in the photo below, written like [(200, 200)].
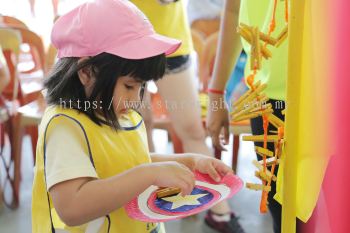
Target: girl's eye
[(128, 87)]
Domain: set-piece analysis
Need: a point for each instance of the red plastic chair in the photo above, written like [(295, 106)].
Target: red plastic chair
[(24, 92), (29, 86), (10, 41), (161, 120), (10, 21)]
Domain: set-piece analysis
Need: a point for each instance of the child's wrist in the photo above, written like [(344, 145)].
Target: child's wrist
[(216, 91), (147, 172), (190, 160)]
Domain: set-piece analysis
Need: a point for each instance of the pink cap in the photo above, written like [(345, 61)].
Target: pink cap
[(113, 26)]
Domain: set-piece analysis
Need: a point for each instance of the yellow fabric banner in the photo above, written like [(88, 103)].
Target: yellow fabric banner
[(307, 149)]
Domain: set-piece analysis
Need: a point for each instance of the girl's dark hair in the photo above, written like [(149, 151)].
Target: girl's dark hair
[(64, 88)]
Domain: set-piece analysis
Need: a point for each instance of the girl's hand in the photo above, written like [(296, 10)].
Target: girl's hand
[(218, 121), (173, 174), (211, 166)]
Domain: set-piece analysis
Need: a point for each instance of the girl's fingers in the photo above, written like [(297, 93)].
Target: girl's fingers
[(183, 186), (222, 168), (190, 179), (226, 134), (186, 187), (215, 136), (186, 169), (213, 173)]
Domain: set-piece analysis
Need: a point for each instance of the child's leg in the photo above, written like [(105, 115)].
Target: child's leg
[(55, 7), (180, 96), (32, 6)]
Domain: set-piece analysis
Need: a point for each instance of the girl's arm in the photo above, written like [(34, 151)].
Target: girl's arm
[(185, 159), (229, 46), (229, 49), (81, 200), (204, 164)]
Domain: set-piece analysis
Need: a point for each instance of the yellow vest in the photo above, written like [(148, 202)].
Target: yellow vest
[(169, 20), (110, 152)]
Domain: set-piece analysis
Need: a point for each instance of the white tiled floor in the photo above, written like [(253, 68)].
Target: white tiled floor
[(245, 203)]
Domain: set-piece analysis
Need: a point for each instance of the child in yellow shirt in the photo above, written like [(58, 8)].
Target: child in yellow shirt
[(92, 155)]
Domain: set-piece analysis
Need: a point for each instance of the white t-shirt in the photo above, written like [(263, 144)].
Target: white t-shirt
[(67, 155), (204, 9)]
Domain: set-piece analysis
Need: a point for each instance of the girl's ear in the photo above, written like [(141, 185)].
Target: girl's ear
[(86, 77), (85, 74)]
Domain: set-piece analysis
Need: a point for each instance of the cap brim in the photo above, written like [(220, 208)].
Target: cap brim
[(147, 46)]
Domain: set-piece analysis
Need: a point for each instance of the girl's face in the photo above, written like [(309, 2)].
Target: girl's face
[(126, 94)]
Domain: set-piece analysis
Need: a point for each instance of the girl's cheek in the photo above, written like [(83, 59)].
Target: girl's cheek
[(115, 103)]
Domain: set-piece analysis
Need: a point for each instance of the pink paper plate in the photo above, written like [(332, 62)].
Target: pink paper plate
[(148, 208)]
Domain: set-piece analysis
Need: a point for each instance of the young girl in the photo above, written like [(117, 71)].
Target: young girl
[(92, 154)]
